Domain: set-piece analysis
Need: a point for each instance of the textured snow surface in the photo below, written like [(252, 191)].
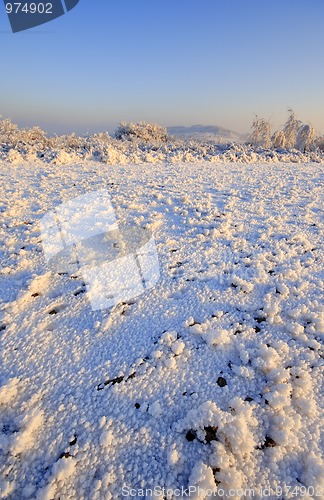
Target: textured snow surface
[(213, 378)]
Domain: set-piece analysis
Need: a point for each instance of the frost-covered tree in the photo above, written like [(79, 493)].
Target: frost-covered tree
[(12, 135), (291, 129), (33, 135), (305, 137), (9, 132), (261, 132), (319, 143), (143, 131), (278, 140), (298, 135)]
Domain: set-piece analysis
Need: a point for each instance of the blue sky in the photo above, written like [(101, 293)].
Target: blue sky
[(175, 62)]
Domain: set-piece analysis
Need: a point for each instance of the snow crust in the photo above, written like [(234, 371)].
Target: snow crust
[(211, 379)]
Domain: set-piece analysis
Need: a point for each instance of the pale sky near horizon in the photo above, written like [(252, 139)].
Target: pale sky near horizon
[(174, 62)]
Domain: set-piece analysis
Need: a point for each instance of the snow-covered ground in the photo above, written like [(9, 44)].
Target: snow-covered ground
[(213, 378)]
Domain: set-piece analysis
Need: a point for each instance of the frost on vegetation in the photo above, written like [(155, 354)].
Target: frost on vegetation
[(295, 135), (135, 143), (261, 135), (14, 156), (147, 132)]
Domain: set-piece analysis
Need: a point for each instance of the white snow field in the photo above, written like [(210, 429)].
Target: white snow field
[(210, 380)]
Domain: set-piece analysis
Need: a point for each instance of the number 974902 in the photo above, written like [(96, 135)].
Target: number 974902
[(29, 8)]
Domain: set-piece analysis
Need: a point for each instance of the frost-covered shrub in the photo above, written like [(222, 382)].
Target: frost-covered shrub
[(291, 129), (9, 132), (152, 145), (34, 135), (261, 132), (319, 143), (62, 157), (146, 132), (70, 142), (12, 136), (14, 157), (278, 140), (305, 137), (295, 134)]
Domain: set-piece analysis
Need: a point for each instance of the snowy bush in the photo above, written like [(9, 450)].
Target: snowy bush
[(69, 142), (319, 143), (14, 156), (305, 137), (149, 143), (260, 135), (295, 134), (147, 132), (9, 132), (278, 140), (291, 129), (34, 135), (12, 136)]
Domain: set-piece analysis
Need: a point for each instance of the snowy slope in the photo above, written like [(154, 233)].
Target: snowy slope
[(213, 378), (213, 133)]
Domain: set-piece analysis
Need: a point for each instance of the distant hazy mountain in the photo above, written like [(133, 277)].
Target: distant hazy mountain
[(207, 133)]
